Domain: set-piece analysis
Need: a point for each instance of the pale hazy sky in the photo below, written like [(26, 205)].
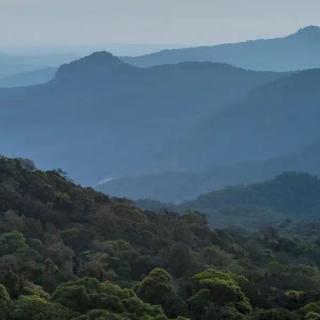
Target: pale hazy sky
[(181, 22)]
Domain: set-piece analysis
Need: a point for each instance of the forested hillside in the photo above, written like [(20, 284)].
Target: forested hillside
[(288, 196), (71, 253), (291, 193)]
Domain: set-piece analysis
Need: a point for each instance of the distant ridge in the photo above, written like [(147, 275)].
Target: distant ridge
[(181, 186), (298, 51), (275, 128), (286, 196), (301, 189), (97, 63), (28, 78), (99, 111), (100, 60), (308, 32), (12, 65)]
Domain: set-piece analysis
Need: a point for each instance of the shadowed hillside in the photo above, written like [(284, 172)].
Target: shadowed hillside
[(274, 120), (274, 129), (182, 186), (14, 64), (70, 253), (292, 196), (291, 193)]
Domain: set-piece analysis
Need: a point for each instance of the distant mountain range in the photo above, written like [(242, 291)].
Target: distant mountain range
[(290, 195), (274, 129), (208, 123), (275, 119), (297, 51), (181, 186), (19, 66), (28, 78), (100, 117)]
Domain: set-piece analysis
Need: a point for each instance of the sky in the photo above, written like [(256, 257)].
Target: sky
[(150, 22)]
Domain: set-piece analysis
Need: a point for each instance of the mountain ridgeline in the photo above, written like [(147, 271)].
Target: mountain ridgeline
[(220, 158), (28, 78), (276, 119), (192, 126), (291, 193), (81, 120), (16, 66), (181, 186), (291, 196), (297, 51), (273, 129)]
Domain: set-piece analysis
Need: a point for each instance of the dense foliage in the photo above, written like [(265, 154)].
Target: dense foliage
[(68, 252)]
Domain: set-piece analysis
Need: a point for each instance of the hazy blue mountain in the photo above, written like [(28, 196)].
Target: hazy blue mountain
[(274, 120), (290, 195), (164, 187), (297, 51), (98, 112), (182, 186), (117, 49), (13, 64), (28, 78), (265, 134)]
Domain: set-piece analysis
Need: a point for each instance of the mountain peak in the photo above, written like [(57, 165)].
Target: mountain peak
[(97, 63), (99, 57), (309, 31)]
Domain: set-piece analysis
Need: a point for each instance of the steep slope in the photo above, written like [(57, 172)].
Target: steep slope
[(28, 78), (70, 253), (298, 51), (77, 246), (182, 186), (98, 112)]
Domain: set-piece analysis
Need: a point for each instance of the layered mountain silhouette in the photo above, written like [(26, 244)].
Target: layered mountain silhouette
[(101, 117), (274, 129), (28, 78), (290, 195), (12, 65), (176, 187), (275, 119), (297, 51)]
